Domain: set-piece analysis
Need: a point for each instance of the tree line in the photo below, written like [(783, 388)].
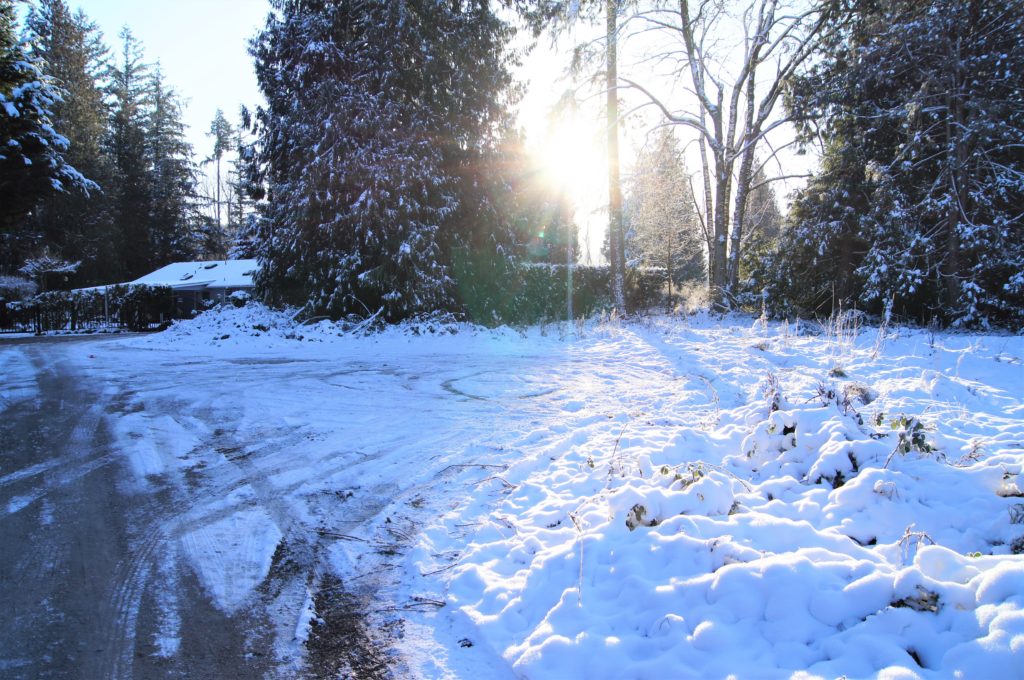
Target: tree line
[(103, 186), (388, 177), (916, 110)]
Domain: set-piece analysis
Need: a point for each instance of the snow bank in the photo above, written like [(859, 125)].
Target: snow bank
[(255, 327)]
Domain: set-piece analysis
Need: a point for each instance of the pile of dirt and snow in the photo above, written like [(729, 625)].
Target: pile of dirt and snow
[(238, 326), (254, 325)]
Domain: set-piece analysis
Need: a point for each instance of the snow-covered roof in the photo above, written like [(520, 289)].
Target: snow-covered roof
[(199, 275), (196, 276)]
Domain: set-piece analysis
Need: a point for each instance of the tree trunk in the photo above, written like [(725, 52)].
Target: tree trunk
[(750, 133), (709, 204), (218, 194), (956, 126), (723, 188), (569, 238), (616, 241)]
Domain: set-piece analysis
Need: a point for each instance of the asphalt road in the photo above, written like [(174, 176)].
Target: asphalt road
[(85, 572), (165, 514)]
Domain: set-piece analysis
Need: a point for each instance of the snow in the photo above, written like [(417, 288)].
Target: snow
[(233, 555), (685, 497), (199, 275), (700, 545)]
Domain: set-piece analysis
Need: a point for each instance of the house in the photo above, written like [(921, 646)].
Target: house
[(196, 285)]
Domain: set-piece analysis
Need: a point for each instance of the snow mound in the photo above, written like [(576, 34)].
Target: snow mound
[(256, 326), (750, 527)]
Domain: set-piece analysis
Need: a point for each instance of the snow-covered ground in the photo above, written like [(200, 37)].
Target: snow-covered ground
[(763, 503), (678, 497)]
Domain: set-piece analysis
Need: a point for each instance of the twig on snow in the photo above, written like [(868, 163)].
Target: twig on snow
[(335, 534), (474, 465), (508, 484), (438, 571)]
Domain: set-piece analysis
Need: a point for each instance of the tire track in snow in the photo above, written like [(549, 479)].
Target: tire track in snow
[(74, 460), (130, 580), (302, 582), (70, 561), (228, 465)]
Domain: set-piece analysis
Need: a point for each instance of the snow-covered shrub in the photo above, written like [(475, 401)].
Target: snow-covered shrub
[(239, 298), (695, 489), (13, 290), (16, 288), (828, 441)]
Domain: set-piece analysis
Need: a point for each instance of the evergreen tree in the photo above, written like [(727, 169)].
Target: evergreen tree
[(129, 93), (32, 153), (379, 122), (663, 229), (921, 199), (761, 239), (819, 252), (223, 139), (173, 218), (765, 218), (239, 203), (78, 224), (248, 188)]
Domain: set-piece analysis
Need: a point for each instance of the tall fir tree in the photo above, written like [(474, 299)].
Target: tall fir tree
[(32, 152), (247, 191), (240, 205), (663, 228), (77, 224), (379, 119), (174, 220), (129, 95), (224, 141)]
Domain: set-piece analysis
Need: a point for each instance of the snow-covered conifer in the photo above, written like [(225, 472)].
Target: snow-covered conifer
[(32, 162), (921, 200), (378, 116), (663, 228)]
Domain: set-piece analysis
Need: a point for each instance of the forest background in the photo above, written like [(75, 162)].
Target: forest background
[(386, 171)]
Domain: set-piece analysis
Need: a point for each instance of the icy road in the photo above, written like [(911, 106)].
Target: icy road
[(239, 515)]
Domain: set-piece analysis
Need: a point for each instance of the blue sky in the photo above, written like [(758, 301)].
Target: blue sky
[(201, 45)]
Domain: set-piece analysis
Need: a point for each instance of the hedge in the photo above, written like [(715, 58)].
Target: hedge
[(134, 307), (496, 292)]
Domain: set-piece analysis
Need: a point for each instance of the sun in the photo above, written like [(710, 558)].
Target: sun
[(572, 158)]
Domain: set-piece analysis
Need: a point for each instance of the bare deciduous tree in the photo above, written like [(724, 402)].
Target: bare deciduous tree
[(734, 99)]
